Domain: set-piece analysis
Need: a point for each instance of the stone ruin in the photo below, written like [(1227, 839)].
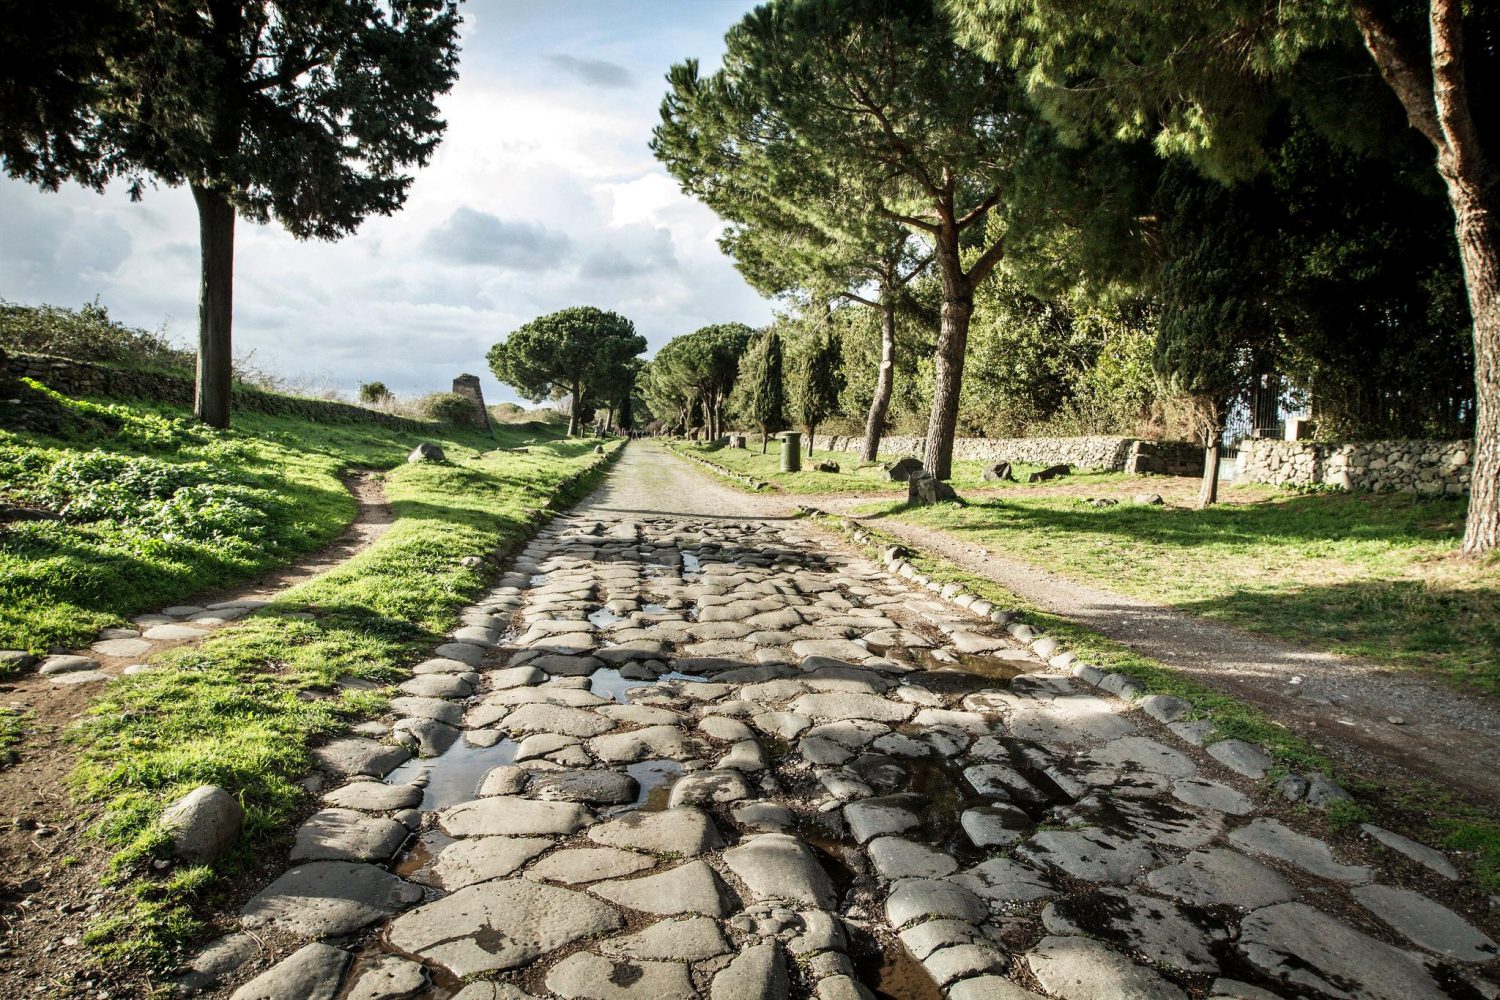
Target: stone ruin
[(467, 385)]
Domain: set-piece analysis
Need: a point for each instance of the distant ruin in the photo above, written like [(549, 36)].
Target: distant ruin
[(468, 386)]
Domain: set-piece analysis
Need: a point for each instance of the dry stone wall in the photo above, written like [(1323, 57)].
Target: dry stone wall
[(1111, 454), (1416, 466)]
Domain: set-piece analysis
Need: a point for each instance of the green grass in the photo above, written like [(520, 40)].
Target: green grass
[(853, 476), (1429, 814), (12, 728), (1371, 575), (157, 508)]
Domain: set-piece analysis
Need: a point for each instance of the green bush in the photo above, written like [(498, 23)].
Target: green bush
[(449, 407), (87, 334)]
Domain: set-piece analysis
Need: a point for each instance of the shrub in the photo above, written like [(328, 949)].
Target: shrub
[(373, 392), (449, 407), (87, 334)]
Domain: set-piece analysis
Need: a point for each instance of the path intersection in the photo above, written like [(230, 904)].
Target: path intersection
[(678, 753)]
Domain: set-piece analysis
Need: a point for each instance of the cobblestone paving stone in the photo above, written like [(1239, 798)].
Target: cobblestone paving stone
[(692, 755)]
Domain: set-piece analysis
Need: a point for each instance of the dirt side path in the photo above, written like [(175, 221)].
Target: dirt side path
[(1343, 705)]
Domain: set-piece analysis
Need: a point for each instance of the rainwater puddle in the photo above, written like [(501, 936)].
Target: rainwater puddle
[(606, 682), (989, 667), (537, 579), (455, 776), (654, 609), (416, 863), (604, 618), (656, 778), (893, 974), (441, 984), (691, 565)]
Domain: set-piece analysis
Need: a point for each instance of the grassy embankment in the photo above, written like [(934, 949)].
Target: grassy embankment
[(240, 709), (853, 476), (1424, 811)]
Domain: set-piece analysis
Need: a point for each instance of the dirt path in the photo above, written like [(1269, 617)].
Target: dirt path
[(49, 872), (1341, 704), (690, 747)]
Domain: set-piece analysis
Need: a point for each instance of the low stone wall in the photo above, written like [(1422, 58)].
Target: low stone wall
[(86, 379), (1416, 466), (1110, 454)]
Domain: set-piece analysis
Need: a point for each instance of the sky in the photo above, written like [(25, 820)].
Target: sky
[(543, 195)]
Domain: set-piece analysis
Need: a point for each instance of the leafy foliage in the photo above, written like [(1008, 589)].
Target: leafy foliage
[(576, 351)]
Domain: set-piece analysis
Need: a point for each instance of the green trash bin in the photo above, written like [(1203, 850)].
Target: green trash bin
[(791, 451)]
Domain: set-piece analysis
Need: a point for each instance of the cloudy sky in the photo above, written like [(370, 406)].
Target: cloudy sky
[(543, 195)]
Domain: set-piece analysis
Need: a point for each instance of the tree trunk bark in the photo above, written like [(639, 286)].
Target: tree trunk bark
[(573, 408), (1208, 493), (1478, 230), (215, 307), (885, 381), (812, 432), (765, 440), (952, 341)]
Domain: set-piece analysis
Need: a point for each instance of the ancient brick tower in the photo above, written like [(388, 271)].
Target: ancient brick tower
[(468, 385)]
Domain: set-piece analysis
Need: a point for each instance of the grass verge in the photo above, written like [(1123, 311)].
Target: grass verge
[(1369, 575), (1424, 812), (241, 709)]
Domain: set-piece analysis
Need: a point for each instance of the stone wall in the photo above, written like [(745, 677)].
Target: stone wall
[(1426, 467), (86, 379), (1111, 454)]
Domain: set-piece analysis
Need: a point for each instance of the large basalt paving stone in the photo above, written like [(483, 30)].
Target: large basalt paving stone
[(583, 976), (346, 835), (577, 865), (1090, 855), (1161, 931), (1222, 877), (1080, 969), (593, 786), (356, 755), (508, 816), (692, 939), (480, 859), (1306, 949), (916, 899), (687, 832), (689, 888), (1272, 838), (1426, 923), (560, 719), (500, 925), (1002, 880), (757, 973), (313, 972), (782, 866), (328, 898)]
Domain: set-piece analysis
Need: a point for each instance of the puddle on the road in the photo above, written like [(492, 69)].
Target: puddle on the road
[(947, 795), (892, 973), (454, 777), (537, 579), (415, 864), (988, 667), (607, 682), (441, 984), (656, 778), (604, 618), (654, 609), (691, 564)]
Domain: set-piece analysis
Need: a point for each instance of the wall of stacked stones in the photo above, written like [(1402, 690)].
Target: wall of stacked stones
[(85, 379), (1112, 454), (1417, 466)]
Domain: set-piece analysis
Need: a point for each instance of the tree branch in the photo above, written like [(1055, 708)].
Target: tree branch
[(909, 220), (1410, 82), (1450, 96), (851, 296), (986, 262), (979, 210)]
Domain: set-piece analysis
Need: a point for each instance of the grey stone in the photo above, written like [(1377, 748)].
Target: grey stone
[(688, 832), (499, 925), (760, 815), (918, 898), (562, 720), (650, 743), (221, 957), (577, 865), (1423, 855), (1080, 969), (1002, 781), (757, 973), (66, 664), (716, 727), (463, 652), (1273, 839), (389, 978), (327, 899), (692, 939), (582, 975), (171, 633), (430, 737), (897, 858), (593, 786), (1241, 757), (1091, 855), (426, 452), (437, 709), (1206, 794), (439, 686), (923, 489), (842, 988), (504, 815), (924, 939), (313, 972), (871, 818), (1426, 923), (1002, 880), (964, 961), (1159, 930), (204, 823), (1222, 877), (1304, 949), (693, 887), (701, 788), (121, 647), (1142, 753), (1323, 791), (998, 824), (782, 866), (901, 470), (1230, 989), (784, 725), (480, 859), (1165, 707), (990, 988), (747, 756), (346, 835)]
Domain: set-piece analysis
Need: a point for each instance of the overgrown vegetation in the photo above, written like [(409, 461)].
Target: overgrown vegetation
[(1370, 575), (130, 508), (88, 334), (240, 709)]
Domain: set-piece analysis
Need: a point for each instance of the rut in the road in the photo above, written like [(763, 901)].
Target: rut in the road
[(674, 757)]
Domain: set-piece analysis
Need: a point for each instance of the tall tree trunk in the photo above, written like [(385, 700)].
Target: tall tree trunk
[(1434, 92), (885, 381), (574, 405), (765, 439), (215, 307), (812, 432), (1208, 492), (952, 342)]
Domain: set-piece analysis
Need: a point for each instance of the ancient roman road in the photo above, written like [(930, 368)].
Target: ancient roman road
[(691, 747)]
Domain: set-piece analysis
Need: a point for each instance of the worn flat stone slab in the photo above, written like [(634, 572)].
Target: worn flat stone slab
[(121, 647), (757, 973), (463, 652), (442, 665), (1001, 880), (1429, 858), (1305, 949), (313, 972), (500, 925), (874, 817), (689, 888), (437, 709), (1204, 794), (52, 666), (1091, 855), (1144, 754), (782, 866), (480, 859), (897, 858), (1426, 923), (582, 975), (703, 788), (563, 720), (1070, 720), (1080, 969), (1222, 877), (989, 988), (840, 706), (650, 743), (1271, 838), (692, 939), (593, 786), (430, 737), (390, 978), (1002, 781), (998, 824), (578, 865), (509, 816), (374, 796), (1155, 928), (688, 832), (174, 633), (1241, 757), (328, 898), (439, 686), (915, 899), (347, 835)]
